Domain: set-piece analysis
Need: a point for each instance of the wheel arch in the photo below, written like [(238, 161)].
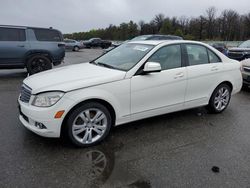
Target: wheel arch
[(224, 82), (37, 52), (101, 101)]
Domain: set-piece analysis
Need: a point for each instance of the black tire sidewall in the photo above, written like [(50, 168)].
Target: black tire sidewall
[(76, 48), (75, 113), (30, 60), (211, 105)]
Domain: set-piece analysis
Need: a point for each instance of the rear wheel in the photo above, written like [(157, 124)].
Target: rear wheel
[(220, 99), (88, 124), (38, 63), (76, 48)]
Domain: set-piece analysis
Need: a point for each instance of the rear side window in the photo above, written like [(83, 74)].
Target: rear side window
[(47, 35), (197, 54), (169, 57), (12, 34), (213, 58)]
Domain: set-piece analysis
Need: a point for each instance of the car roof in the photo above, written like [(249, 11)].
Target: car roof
[(158, 42), (25, 27)]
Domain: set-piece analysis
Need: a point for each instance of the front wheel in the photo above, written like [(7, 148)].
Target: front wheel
[(220, 99), (88, 124)]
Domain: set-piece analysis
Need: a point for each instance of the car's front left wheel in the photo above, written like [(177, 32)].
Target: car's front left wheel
[(88, 124)]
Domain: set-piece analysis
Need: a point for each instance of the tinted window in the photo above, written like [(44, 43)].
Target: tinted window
[(197, 54), (169, 57), (213, 58), (12, 34), (47, 35)]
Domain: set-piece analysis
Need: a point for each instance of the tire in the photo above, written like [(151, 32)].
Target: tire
[(76, 49), (38, 63), (220, 99), (88, 124)]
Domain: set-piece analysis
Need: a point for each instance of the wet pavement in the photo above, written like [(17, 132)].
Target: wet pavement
[(173, 150)]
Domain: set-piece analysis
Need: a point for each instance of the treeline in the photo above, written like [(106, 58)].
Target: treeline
[(228, 25)]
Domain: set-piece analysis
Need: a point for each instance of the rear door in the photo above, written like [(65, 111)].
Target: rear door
[(49, 40), (13, 46), (204, 71)]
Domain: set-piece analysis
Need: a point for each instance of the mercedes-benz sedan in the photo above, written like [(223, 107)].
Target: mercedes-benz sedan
[(134, 81)]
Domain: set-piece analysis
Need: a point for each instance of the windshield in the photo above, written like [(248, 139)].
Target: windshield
[(245, 44), (124, 57)]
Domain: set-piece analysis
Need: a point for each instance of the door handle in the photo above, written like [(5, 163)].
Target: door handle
[(214, 68), (21, 45), (179, 75)]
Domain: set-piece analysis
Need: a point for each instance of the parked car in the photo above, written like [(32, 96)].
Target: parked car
[(147, 37), (134, 81), (241, 52), (246, 72), (73, 45), (221, 47), (28, 47), (97, 42), (156, 37)]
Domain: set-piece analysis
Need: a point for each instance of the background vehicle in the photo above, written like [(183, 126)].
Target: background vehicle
[(97, 42), (134, 81), (28, 47), (241, 52), (246, 72), (221, 47), (73, 45), (156, 37), (146, 37)]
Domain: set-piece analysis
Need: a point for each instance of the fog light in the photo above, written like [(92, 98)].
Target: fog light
[(40, 125)]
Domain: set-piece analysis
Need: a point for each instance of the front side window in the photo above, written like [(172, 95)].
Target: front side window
[(47, 35), (197, 54), (125, 56), (169, 57), (12, 34)]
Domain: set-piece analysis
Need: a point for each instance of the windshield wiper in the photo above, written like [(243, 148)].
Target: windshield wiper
[(106, 65)]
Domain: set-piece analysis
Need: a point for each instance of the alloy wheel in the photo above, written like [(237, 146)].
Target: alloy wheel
[(89, 126), (222, 98)]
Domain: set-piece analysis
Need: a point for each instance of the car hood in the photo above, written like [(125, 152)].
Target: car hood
[(237, 49), (72, 77), (246, 62)]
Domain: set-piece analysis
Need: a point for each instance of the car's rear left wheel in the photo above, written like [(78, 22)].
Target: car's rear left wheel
[(38, 63), (220, 99), (88, 124)]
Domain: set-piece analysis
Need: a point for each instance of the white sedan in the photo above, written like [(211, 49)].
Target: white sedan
[(134, 81)]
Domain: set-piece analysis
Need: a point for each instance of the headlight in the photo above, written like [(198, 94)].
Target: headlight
[(47, 99)]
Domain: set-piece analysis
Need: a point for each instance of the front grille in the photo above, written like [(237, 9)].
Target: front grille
[(25, 93), (246, 69), (237, 55)]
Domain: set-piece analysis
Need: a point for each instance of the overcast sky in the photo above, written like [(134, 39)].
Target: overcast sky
[(83, 15)]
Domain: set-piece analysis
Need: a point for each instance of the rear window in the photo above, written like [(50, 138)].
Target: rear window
[(47, 35), (12, 34)]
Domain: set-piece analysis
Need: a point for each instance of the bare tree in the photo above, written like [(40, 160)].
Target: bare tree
[(210, 20)]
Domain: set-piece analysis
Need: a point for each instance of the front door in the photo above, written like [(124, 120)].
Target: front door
[(161, 92), (13, 46)]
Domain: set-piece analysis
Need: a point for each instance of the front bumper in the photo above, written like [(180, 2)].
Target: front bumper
[(246, 78), (30, 116)]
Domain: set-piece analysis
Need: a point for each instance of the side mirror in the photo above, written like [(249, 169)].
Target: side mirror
[(150, 67)]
